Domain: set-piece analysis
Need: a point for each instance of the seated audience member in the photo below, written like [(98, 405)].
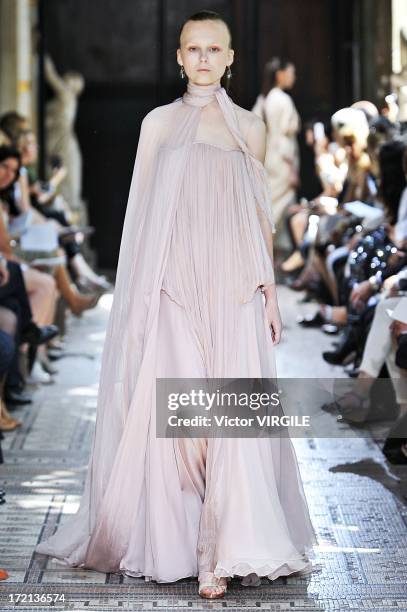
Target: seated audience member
[(367, 256), (12, 124), (9, 167), (326, 224), (8, 327), (386, 344), (50, 205), (41, 286)]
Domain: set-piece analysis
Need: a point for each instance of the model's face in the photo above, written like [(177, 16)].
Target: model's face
[(204, 51), (8, 172), (286, 78)]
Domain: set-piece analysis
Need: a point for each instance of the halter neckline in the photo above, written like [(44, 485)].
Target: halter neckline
[(200, 95)]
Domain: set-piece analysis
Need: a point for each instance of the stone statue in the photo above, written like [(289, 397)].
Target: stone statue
[(61, 138)]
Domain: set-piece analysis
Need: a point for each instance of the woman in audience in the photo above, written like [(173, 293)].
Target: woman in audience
[(359, 134), (376, 264), (12, 124), (351, 131), (49, 204), (9, 168), (331, 168)]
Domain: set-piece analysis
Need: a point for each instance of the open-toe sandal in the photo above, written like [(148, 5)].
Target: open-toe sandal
[(211, 587)]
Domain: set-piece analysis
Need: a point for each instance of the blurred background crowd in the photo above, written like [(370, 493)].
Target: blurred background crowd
[(41, 263), (346, 248)]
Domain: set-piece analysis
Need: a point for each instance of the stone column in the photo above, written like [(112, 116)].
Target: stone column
[(15, 56)]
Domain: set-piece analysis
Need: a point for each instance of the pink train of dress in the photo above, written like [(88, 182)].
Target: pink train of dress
[(188, 304)]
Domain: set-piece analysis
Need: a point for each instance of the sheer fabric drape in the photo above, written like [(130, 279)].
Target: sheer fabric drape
[(122, 522)]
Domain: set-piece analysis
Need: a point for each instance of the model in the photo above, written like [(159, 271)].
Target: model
[(194, 298), (277, 108)]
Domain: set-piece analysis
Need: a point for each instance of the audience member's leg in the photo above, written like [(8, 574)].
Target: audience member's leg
[(15, 290), (75, 300), (8, 326), (14, 296), (378, 345), (339, 253), (41, 289)]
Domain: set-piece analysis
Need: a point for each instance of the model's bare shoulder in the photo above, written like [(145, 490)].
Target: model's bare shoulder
[(245, 117), (253, 130), (160, 115)]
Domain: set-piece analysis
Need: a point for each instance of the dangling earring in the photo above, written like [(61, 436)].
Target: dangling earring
[(228, 73), (182, 72)]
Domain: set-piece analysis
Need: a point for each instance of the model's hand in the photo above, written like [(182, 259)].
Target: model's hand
[(273, 313)]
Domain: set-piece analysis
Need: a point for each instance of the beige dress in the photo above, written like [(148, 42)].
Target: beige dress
[(283, 124)]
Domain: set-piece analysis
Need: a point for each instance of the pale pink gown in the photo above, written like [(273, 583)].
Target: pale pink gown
[(174, 508)]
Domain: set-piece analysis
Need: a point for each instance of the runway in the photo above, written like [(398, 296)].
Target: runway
[(357, 500)]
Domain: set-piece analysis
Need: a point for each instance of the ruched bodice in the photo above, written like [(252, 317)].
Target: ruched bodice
[(217, 256), (216, 237)]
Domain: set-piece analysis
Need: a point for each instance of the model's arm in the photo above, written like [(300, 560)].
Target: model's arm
[(256, 142), (258, 108)]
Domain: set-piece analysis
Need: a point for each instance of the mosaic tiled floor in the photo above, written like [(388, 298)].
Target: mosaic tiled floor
[(357, 502)]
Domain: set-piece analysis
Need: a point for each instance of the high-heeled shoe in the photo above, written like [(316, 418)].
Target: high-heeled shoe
[(316, 320), (38, 376), (84, 302), (47, 365), (346, 351), (211, 587), (351, 407), (100, 284)]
